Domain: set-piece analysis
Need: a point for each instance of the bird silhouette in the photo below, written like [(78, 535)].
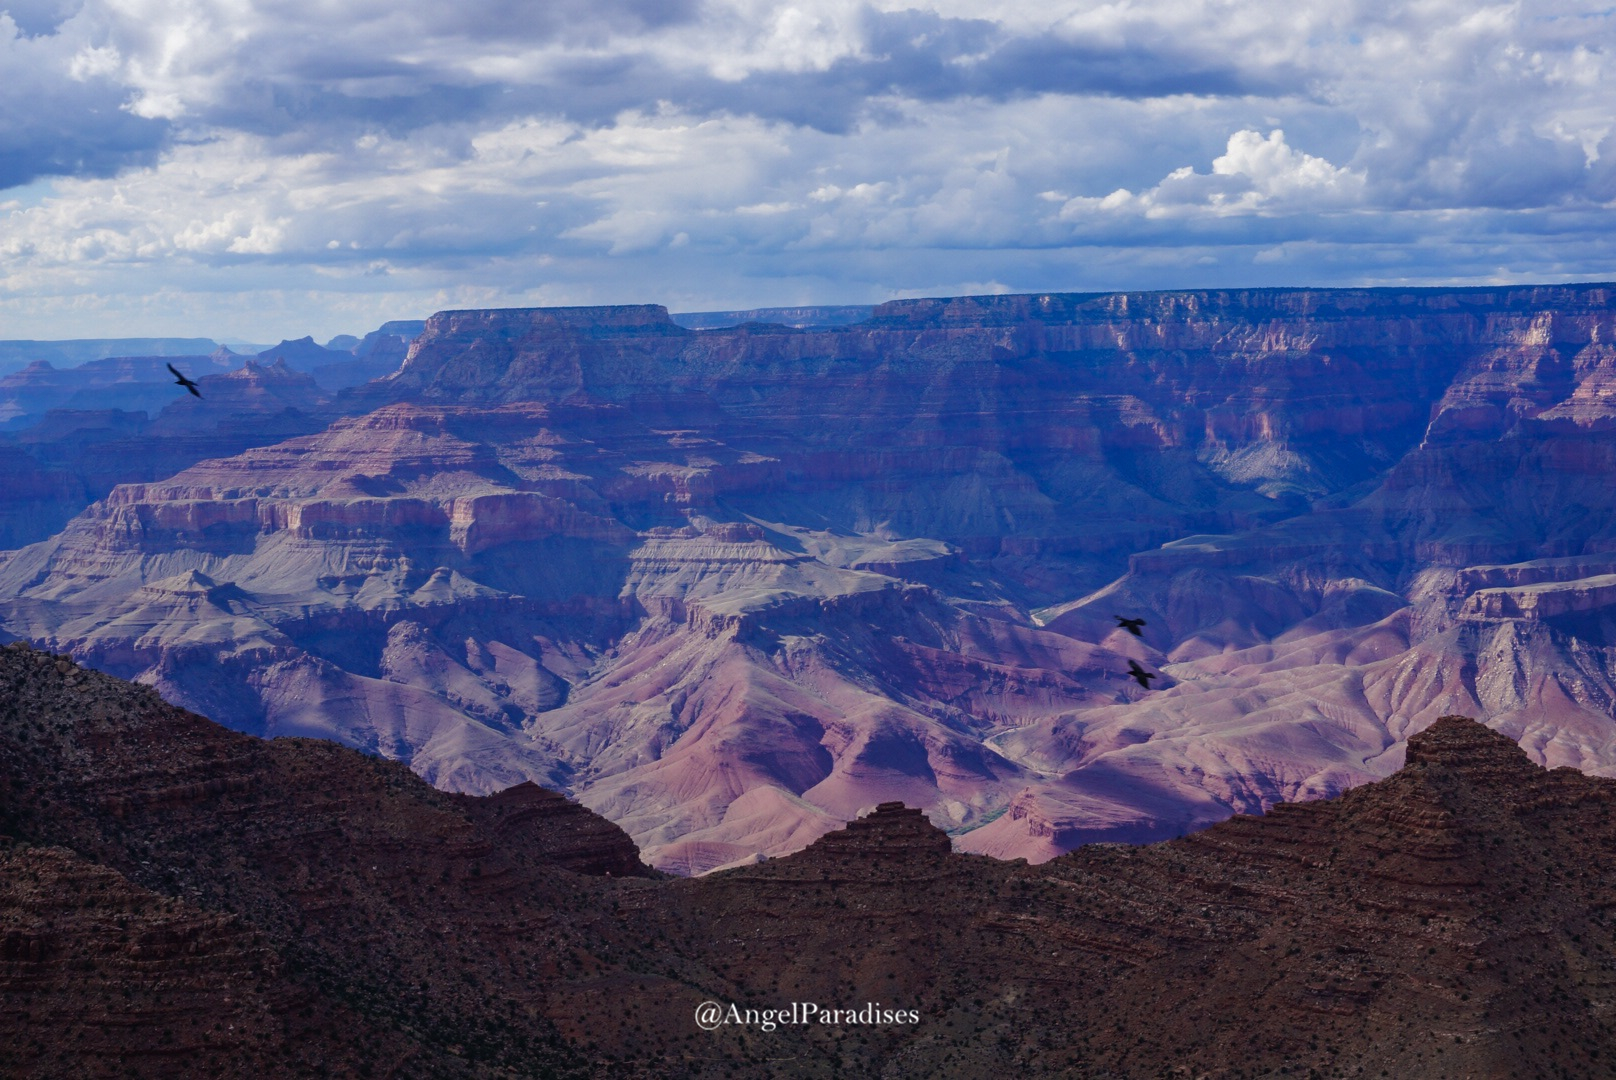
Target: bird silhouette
[(1130, 625), (181, 380), (1142, 676)]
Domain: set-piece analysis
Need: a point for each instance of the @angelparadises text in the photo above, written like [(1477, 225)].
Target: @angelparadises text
[(712, 1015)]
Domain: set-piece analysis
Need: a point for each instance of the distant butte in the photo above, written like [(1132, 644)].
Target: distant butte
[(180, 900)]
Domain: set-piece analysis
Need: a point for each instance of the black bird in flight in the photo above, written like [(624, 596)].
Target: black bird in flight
[(181, 380), (1140, 674), (1130, 625)]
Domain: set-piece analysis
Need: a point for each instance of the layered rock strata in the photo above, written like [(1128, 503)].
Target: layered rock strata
[(180, 900), (731, 587)]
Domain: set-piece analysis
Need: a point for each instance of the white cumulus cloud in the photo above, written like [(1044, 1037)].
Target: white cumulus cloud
[(1254, 175), (723, 153)]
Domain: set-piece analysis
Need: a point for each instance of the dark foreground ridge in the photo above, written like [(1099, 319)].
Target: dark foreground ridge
[(180, 900)]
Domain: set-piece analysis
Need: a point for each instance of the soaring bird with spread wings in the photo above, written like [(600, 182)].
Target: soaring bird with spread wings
[(181, 380), (1140, 675), (1130, 625)]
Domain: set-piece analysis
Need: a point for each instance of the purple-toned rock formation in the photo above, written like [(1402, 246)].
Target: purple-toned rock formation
[(732, 587), (69, 435)]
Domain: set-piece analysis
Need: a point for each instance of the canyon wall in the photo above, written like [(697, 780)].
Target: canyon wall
[(732, 587)]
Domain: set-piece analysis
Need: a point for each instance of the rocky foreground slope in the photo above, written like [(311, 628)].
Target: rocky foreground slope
[(732, 587), (180, 900)]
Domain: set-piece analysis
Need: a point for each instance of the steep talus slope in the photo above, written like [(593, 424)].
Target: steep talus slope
[(1447, 921), (212, 904), (731, 587), (183, 900)]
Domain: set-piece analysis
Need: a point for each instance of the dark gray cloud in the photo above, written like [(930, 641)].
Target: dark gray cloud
[(923, 57), (912, 55), (82, 134), (1504, 169), (60, 115), (312, 87), (309, 115), (39, 17)]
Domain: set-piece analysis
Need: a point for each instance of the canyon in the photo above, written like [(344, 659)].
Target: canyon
[(69, 435), (178, 900), (732, 586)]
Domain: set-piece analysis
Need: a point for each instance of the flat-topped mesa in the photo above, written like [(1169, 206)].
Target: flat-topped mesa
[(547, 354), (1055, 308), (892, 829), (509, 354), (602, 320), (1541, 600), (796, 318)]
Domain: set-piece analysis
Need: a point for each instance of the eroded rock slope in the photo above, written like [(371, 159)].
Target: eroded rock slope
[(177, 899), (731, 587)]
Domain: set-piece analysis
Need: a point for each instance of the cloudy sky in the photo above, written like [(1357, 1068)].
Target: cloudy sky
[(266, 168)]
